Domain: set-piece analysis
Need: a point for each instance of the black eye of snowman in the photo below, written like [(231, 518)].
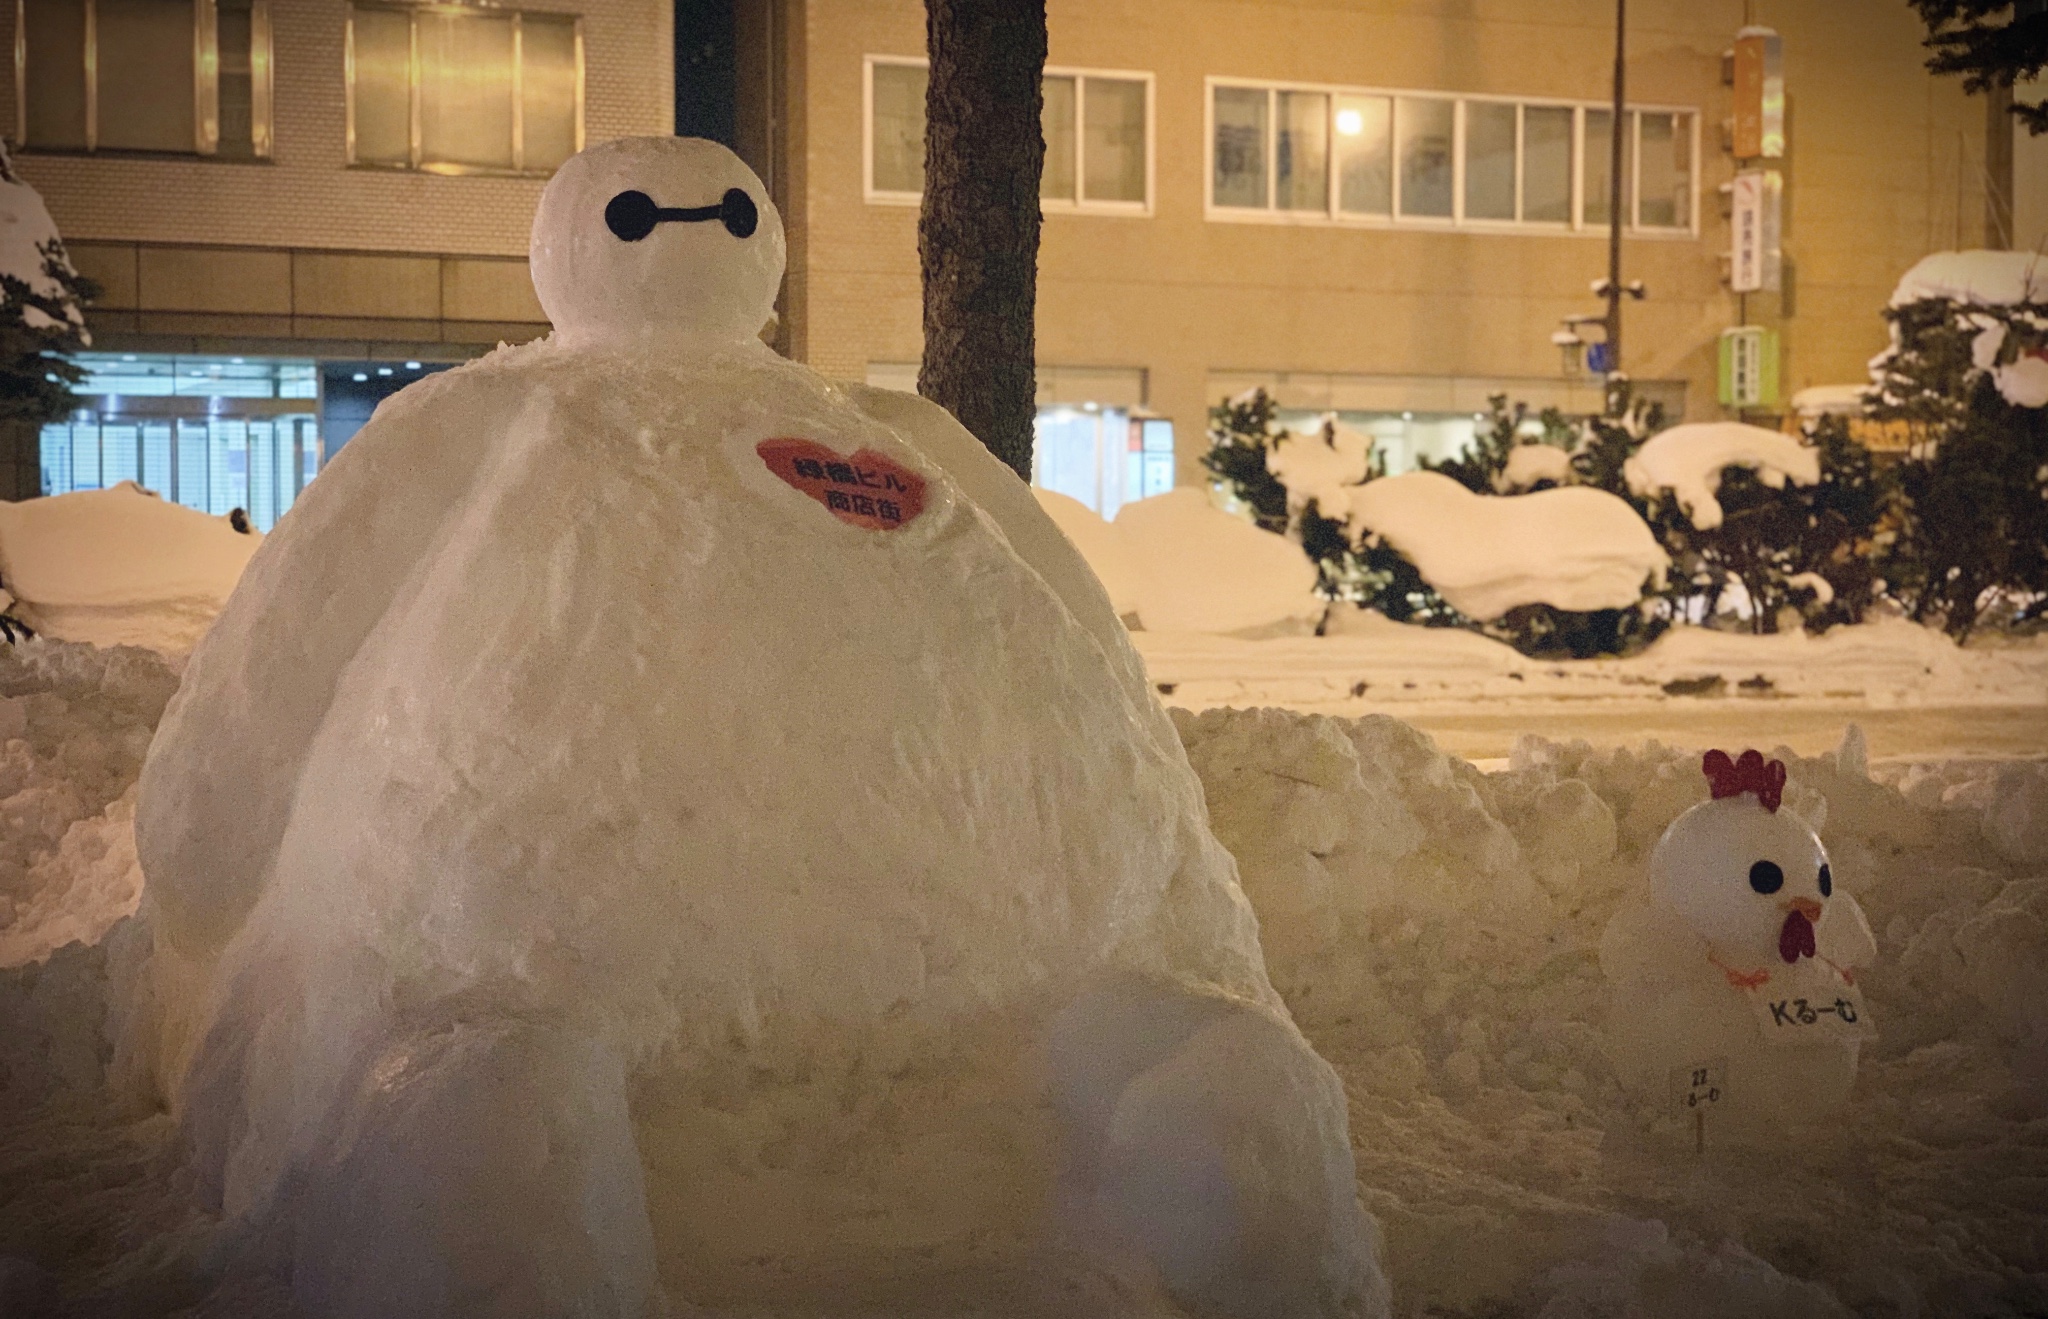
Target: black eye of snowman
[(1765, 877), (1827, 881), (633, 214)]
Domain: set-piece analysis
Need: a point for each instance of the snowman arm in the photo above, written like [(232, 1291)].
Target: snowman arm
[(995, 489), (1843, 935), (217, 788)]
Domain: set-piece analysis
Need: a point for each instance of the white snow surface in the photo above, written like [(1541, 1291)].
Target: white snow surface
[(833, 901), (1687, 462), (1571, 547), (25, 229), (119, 567), (1325, 464), (1436, 930), (1529, 463), (1982, 278), (1177, 563)]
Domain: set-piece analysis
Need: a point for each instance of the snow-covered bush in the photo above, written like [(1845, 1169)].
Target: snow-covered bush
[(42, 320), (1796, 525), (1369, 547), (1967, 374)]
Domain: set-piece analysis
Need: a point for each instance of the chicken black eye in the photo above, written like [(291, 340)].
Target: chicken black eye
[(1827, 881), (1765, 877)]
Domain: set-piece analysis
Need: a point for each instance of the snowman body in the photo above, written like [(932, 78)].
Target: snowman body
[(1733, 989), (702, 772)]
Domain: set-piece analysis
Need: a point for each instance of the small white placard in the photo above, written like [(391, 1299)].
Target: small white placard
[(1700, 1087), (1808, 1005)]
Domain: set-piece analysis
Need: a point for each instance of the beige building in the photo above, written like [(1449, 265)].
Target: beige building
[(1381, 208), (1384, 208), (294, 206)]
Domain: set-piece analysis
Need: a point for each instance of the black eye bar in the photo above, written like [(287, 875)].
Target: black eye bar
[(632, 215)]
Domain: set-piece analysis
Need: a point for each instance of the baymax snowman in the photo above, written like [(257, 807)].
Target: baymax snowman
[(655, 828), (1734, 988)]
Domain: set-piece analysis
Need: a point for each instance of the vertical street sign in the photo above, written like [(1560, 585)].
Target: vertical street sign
[(1749, 367), (1755, 221), (1759, 94)]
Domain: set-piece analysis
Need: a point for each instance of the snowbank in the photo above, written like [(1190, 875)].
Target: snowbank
[(1180, 564), (1573, 547), (120, 567), (25, 230), (1435, 930), (1688, 461), (1986, 279), (75, 722)]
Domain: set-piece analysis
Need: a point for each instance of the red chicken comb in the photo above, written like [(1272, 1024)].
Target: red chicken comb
[(1748, 773)]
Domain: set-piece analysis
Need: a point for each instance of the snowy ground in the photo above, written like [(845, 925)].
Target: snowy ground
[(1434, 927), (1916, 695)]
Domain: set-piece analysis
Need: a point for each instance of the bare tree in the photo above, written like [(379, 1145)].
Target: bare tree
[(977, 238)]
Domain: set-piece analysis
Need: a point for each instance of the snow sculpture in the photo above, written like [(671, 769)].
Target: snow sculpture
[(1734, 990), (657, 827)]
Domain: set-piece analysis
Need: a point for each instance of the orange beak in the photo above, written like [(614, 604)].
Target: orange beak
[(1806, 907)]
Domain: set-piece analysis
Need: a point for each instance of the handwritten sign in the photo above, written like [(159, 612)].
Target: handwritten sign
[(1701, 1086), (1811, 1005), (866, 490)]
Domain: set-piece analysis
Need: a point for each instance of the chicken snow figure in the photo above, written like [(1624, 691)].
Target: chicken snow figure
[(656, 829), (1734, 989)]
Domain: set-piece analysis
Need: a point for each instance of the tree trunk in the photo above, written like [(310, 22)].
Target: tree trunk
[(977, 238)]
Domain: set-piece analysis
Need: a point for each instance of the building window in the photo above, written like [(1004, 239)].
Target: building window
[(1098, 137), (464, 91), (185, 76), (1342, 154)]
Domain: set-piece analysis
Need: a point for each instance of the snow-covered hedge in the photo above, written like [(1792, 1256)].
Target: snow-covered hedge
[(1967, 374)]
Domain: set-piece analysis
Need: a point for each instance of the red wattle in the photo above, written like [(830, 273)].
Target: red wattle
[(1796, 939)]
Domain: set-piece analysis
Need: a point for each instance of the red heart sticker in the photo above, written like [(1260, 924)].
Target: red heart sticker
[(866, 490)]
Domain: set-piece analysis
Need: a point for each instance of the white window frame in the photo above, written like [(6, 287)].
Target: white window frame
[(1456, 222), (205, 81), (1048, 205), (417, 163)]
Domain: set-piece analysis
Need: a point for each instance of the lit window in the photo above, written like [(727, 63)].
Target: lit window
[(1436, 160), (145, 75), (464, 91), (1096, 126)]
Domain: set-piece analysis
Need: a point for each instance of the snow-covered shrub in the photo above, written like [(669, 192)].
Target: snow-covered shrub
[(1245, 438), (1304, 486), (1797, 526), (1967, 374), (42, 320)]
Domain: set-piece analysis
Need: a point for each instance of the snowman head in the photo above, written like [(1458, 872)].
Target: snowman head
[(1748, 878), (668, 240)]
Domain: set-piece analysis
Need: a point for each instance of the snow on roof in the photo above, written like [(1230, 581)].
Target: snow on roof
[(1573, 547), (1183, 565), (1688, 461), (119, 566), (1324, 464), (1987, 279), (25, 226)]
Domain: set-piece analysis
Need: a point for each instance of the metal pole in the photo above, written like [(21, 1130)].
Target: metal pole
[(1614, 196)]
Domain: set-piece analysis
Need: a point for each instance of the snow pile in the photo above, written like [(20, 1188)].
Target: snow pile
[(1687, 462), (1978, 278), (1324, 465), (1529, 464), (1437, 932), (119, 567), (1177, 563), (1573, 548), (1832, 400), (26, 233), (75, 722)]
